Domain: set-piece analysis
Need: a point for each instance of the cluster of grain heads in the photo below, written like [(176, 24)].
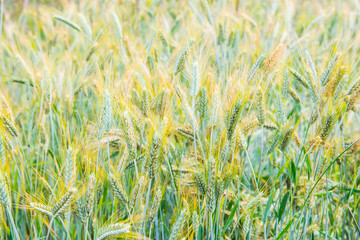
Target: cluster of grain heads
[(210, 138)]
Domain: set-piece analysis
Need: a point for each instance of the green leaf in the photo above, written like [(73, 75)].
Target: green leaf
[(293, 170), (231, 216), (287, 226), (283, 205), (67, 22)]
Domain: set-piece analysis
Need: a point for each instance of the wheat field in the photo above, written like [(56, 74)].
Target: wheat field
[(203, 119)]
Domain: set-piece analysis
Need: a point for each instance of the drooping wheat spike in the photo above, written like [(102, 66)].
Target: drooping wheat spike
[(299, 77), (128, 129), (297, 140), (311, 65), (69, 168), (224, 183), (2, 151), (246, 225), (249, 126), (160, 102), (47, 86), (80, 211), (225, 153), (105, 115), (260, 107), (334, 82), (241, 140), (99, 192), (203, 104), (136, 192), (273, 57), (233, 120), (210, 193), (117, 189), (354, 98), (5, 197), (285, 84), (195, 80), (145, 103), (255, 67), (328, 71), (339, 88), (313, 91), (154, 156), (280, 110), (270, 126), (149, 44), (176, 229), (5, 138), (309, 195), (113, 230), (286, 139), (314, 117), (221, 37), (311, 229), (294, 95), (10, 127), (195, 222), (2, 232), (64, 203), (314, 144), (180, 60), (91, 51), (354, 87), (6, 108), (155, 205), (90, 195), (254, 201), (164, 42), (214, 108), (42, 208), (327, 127), (200, 183)]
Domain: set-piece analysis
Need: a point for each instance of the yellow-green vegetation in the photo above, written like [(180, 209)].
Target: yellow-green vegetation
[(204, 119)]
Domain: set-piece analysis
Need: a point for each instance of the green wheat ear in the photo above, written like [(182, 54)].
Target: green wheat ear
[(113, 230), (179, 224), (195, 80), (260, 107)]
